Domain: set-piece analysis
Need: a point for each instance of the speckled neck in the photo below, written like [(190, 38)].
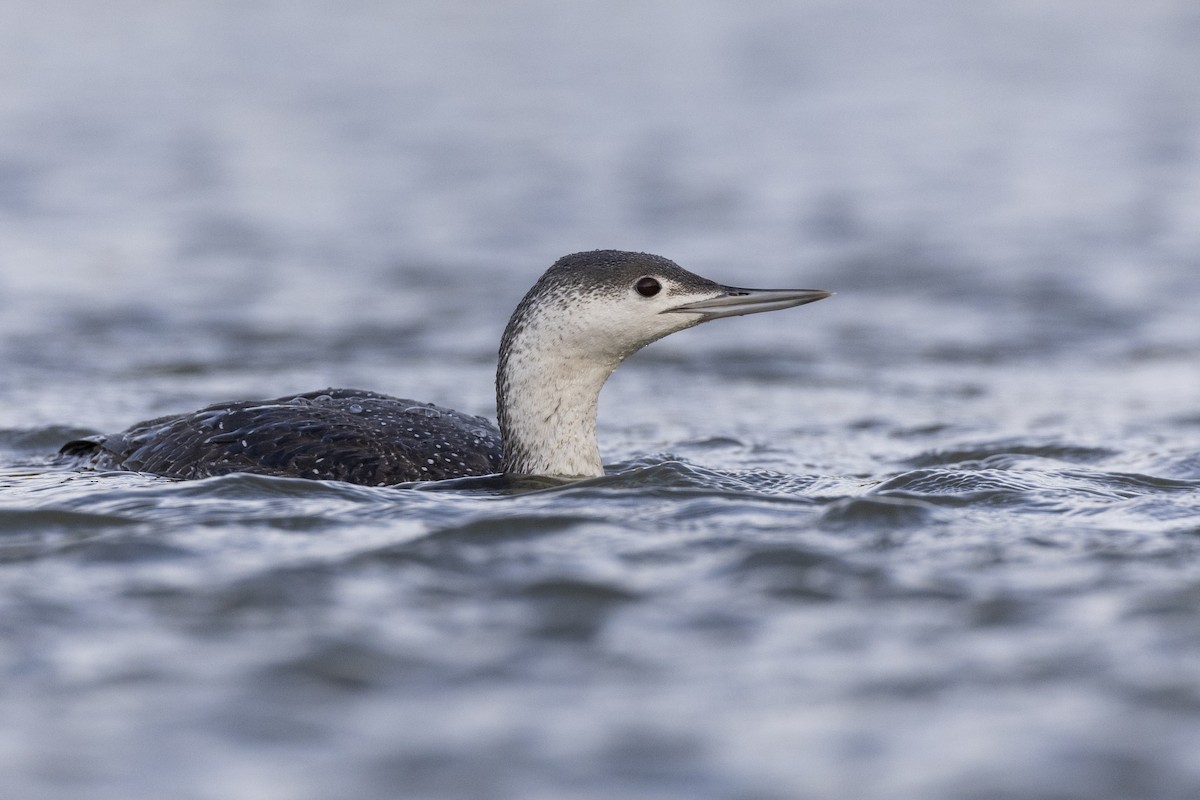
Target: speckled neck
[(546, 399)]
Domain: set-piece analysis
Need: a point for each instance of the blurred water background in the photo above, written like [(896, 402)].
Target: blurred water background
[(936, 537)]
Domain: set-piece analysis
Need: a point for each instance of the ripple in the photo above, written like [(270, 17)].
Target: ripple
[(291, 503), (340, 666), (509, 527), (1133, 484), (126, 550), (961, 487), (570, 607), (1186, 467), (42, 441), (673, 476), (1052, 449), (258, 599), (458, 546), (799, 573), (37, 532), (35, 520), (880, 511)]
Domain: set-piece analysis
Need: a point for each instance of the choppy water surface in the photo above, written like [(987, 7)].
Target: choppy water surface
[(936, 537)]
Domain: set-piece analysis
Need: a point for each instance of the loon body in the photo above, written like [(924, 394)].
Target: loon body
[(331, 434), (582, 318)]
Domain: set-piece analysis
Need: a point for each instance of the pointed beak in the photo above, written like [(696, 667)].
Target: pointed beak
[(734, 302)]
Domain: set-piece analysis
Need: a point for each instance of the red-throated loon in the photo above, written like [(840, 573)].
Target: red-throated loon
[(582, 318)]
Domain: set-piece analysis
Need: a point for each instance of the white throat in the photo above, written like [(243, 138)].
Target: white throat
[(547, 409)]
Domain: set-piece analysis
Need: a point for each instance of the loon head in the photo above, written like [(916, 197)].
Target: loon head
[(607, 304), (583, 317)]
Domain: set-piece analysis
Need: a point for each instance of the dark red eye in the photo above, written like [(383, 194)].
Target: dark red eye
[(648, 287)]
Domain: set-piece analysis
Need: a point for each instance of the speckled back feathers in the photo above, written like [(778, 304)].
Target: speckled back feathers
[(332, 434)]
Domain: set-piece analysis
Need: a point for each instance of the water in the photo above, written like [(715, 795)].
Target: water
[(936, 537)]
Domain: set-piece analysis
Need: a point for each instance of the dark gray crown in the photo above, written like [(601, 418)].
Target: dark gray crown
[(612, 270)]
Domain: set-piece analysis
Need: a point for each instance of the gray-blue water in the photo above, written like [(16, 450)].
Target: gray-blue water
[(936, 537)]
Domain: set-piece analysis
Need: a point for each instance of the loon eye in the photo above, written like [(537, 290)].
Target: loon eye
[(647, 286)]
